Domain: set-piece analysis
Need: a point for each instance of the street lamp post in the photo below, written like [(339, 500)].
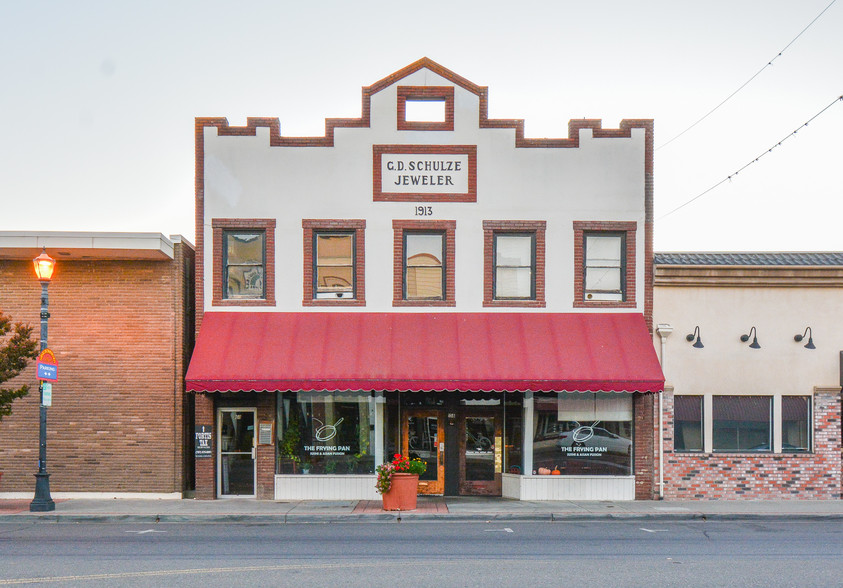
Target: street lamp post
[(44, 265)]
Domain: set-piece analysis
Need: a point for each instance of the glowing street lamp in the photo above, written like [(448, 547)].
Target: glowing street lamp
[(44, 266)]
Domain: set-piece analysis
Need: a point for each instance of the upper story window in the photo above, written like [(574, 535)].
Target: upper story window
[(424, 266), (424, 255), (425, 108), (604, 266), (514, 263), (333, 261), (244, 262), (604, 254)]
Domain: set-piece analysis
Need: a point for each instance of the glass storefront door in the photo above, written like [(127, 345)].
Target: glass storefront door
[(422, 438), (480, 453), (236, 458)]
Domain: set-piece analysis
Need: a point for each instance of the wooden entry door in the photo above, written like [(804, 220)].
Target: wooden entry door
[(423, 437), (480, 452)]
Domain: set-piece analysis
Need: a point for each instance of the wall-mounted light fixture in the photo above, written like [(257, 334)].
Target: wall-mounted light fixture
[(698, 344), (754, 334), (810, 343)]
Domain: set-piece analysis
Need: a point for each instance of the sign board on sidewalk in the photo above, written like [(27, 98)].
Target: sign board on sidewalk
[(46, 394)]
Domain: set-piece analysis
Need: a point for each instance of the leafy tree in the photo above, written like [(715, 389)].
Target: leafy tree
[(17, 347)]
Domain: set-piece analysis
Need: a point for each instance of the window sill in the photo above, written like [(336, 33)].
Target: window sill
[(604, 304), (243, 302), (514, 303), (423, 303), (337, 302)]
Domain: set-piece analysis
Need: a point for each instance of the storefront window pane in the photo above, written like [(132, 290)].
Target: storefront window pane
[(326, 433), (742, 423), (583, 434), (796, 423), (687, 423)]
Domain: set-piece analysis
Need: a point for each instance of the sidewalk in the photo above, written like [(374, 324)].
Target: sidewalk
[(442, 509)]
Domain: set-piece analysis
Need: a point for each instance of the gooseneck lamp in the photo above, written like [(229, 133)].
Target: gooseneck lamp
[(810, 343), (754, 334)]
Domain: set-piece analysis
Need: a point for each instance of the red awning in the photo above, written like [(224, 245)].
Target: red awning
[(320, 351)]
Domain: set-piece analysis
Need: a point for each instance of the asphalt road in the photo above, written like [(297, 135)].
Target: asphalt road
[(589, 554)]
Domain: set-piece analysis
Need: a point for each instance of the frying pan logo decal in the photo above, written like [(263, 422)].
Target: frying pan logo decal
[(326, 432), (584, 432)]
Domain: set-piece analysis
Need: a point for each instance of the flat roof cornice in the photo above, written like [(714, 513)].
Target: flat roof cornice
[(72, 245)]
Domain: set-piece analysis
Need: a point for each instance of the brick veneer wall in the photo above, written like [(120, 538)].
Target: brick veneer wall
[(778, 476), (118, 330), (645, 423)]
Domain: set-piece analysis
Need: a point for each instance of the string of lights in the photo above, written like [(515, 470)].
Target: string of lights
[(768, 64), (730, 176)]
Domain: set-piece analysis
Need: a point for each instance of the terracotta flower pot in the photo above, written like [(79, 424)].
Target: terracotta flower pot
[(403, 493)]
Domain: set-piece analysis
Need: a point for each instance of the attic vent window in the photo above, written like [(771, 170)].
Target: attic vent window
[(425, 111), (425, 108)]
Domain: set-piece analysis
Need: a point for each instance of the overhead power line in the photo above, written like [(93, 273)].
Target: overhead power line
[(729, 177), (742, 86)]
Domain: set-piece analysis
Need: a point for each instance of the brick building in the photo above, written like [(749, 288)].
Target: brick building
[(754, 411), (121, 327), (425, 280)]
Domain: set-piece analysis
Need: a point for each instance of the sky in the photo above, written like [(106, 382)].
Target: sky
[(98, 98)]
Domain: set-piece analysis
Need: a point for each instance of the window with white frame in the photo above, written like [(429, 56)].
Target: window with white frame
[(742, 423), (604, 261)]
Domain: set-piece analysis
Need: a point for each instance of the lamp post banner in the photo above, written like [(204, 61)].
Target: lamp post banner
[(47, 368)]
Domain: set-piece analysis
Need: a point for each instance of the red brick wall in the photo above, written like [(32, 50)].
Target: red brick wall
[(118, 330), (779, 476), (645, 423)]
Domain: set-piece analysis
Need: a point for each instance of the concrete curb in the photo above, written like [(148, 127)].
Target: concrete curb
[(409, 517)]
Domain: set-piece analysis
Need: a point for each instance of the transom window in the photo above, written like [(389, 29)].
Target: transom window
[(244, 265), (424, 266), (515, 266), (604, 266), (334, 260)]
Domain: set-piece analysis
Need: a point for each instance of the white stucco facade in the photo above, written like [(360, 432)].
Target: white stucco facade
[(601, 179)]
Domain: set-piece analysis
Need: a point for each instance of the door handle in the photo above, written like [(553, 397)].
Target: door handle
[(253, 453)]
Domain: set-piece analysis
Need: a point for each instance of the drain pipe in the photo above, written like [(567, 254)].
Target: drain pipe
[(664, 331)]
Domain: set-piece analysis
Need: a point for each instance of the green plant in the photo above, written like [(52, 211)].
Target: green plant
[(291, 441), (15, 351), (399, 465)]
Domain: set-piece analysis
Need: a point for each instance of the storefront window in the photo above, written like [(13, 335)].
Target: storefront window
[(742, 423), (583, 434), (687, 423), (796, 423), (323, 433)]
